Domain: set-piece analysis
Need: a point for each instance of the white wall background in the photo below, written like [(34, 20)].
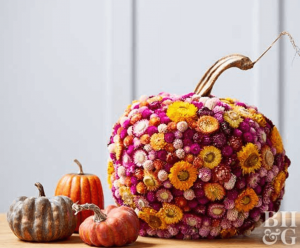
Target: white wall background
[(69, 68)]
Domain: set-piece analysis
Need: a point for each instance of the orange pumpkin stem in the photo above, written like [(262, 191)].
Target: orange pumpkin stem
[(80, 167), (242, 62), (41, 189), (99, 216)]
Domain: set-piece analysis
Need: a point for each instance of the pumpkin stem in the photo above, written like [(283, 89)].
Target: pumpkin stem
[(99, 216), (242, 62), (41, 189), (80, 167)]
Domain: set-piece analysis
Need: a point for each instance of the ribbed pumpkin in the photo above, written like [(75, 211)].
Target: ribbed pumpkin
[(82, 188), (113, 226), (42, 219)]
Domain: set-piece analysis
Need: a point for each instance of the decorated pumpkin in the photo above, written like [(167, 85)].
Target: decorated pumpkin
[(82, 188), (195, 165), (42, 219), (113, 226)]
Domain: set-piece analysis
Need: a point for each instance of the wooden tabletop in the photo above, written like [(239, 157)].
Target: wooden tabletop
[(255, 240)]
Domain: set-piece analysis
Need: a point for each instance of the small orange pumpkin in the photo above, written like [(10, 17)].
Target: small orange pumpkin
[(113, 226), (81, 188)]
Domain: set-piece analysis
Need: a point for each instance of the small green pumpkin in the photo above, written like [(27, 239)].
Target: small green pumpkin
[(42, 219)]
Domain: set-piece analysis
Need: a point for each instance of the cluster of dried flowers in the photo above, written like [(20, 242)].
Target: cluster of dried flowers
[(196, 167)]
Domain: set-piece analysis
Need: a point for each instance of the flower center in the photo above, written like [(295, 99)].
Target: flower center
[(251, 160), (164, 195), (140, 158), (244, 111), (141, 203), (209, 157), (246, 200), (192, 222), (170, 213), (148, 181), (269, 158), (183, 175), (154, 221), (233, 115), (217, 211)]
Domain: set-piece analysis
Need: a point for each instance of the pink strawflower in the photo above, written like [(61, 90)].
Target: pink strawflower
[(162, 128), (239, 222), (225, 223), (263, 172), (151, 232), (178, 143), (215, 231), (173, 230), (219, 117), (228, 203), (148, 165), (230, 184), (152, 155), (178, 134), (139, 157), (180, 153), (162, 175), (140, 127), (232, 214), (189, 194), (204, 231), (205, 174), (192, 220), (253, 180), (164, 195), (270, 176), (182, 126), (167, 184), (216, 210), (141, 202)]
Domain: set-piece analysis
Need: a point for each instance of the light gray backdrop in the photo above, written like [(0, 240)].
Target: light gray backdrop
[(69, 68)]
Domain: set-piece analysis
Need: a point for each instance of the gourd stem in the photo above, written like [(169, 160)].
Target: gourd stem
[(80, 167), (242, 62), (41, 189), (99, 216)]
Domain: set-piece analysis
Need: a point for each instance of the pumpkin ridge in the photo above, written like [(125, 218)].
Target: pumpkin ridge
[(38, 218), (74, 223), (47, 230), (16, 220), (75, 195), (110, 234), (100, 195), (98, 234), (64, 217), (94, 196), (66, 189), (94, 237), (134, 226), (56, 216), (115, 224), (86, 197), (29, 204)]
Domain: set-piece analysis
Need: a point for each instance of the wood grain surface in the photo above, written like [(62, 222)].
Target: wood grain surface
[(8, 239)]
